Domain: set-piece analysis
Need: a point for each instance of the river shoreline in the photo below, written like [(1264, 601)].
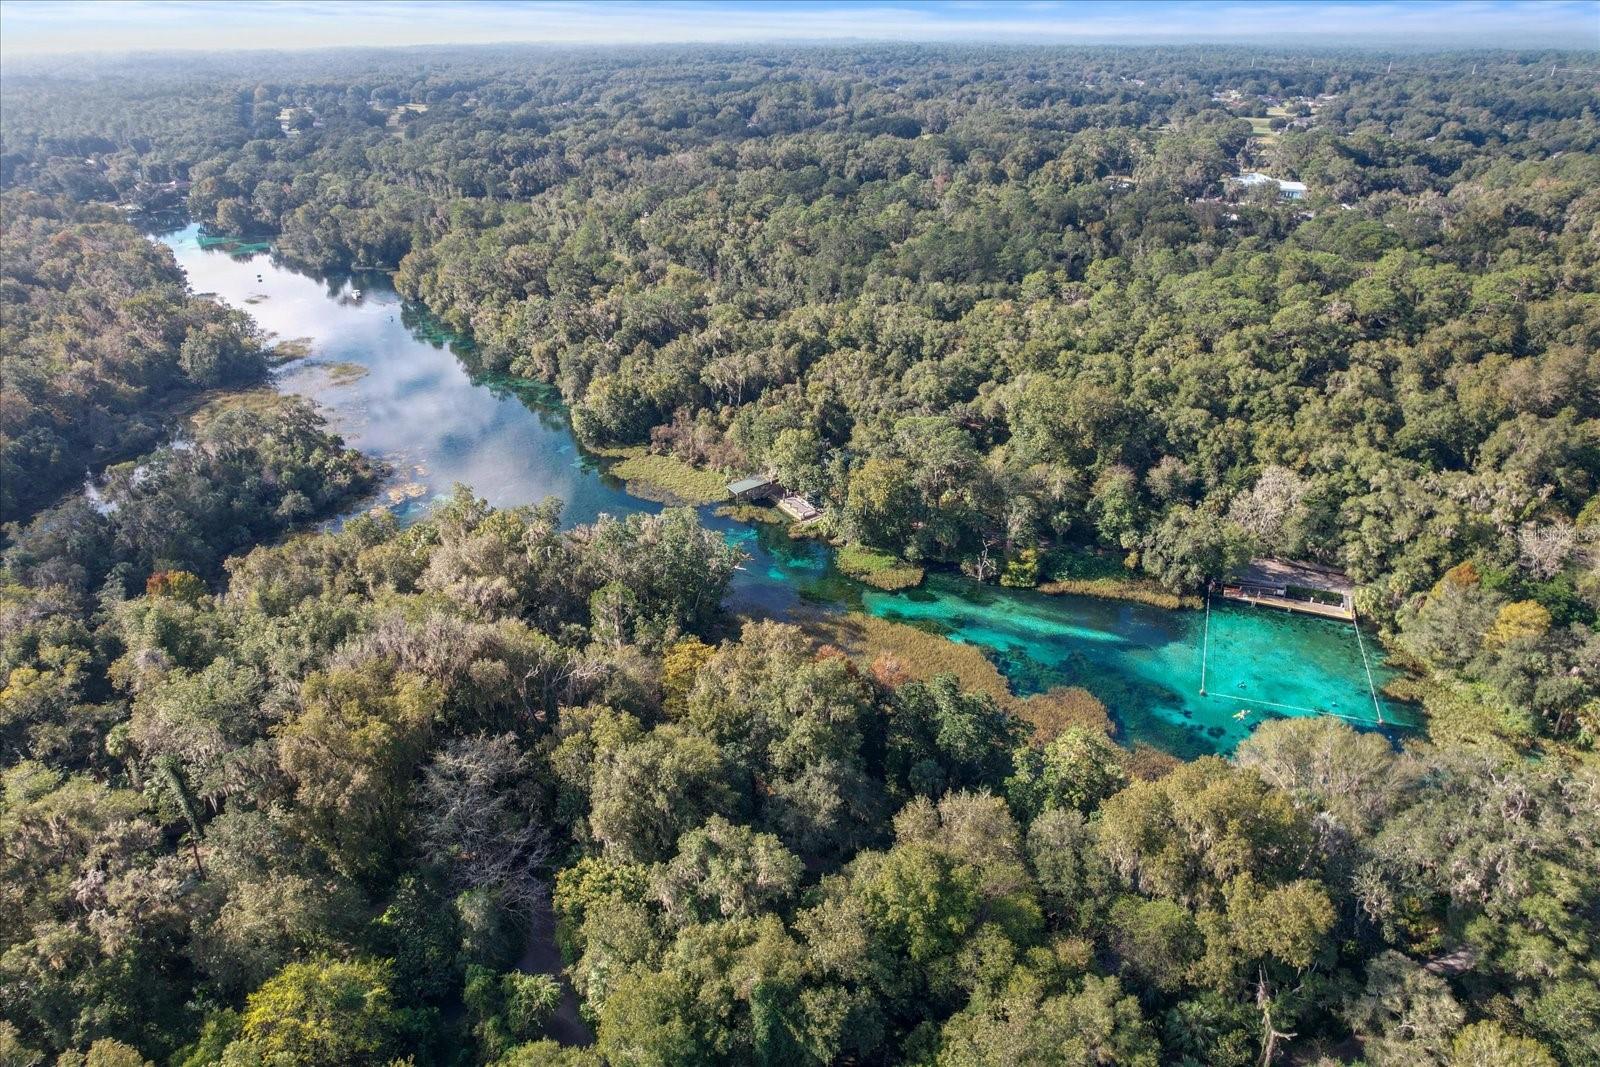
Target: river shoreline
[(424, 406), (670, 481)]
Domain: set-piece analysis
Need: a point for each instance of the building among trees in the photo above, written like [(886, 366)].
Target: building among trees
[(1287, 190)]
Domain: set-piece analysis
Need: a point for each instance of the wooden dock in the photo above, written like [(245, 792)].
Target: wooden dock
[(1303, 587), (1273, 600), (798, 507)]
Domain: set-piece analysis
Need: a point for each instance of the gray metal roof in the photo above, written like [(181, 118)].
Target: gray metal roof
[(744, 485)]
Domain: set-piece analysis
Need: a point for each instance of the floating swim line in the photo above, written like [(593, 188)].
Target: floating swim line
[(1371, 688), (1300, 707)]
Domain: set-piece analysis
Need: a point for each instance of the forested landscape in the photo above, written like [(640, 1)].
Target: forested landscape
[(101, 336), (291, 782)]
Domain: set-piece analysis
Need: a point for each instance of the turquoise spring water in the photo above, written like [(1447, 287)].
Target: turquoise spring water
[(397, 386)]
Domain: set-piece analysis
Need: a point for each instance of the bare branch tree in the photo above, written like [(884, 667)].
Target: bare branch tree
[(475, 810), (1270, 1035), (1544, 549)]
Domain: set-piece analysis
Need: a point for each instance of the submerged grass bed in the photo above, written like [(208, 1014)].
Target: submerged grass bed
[(1065, 707), (288, 350), (878, 569), (895, 653), (343, 373), (667, 478), (752, 513)]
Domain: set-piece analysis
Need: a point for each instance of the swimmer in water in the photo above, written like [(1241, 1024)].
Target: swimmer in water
[(1242, 713)]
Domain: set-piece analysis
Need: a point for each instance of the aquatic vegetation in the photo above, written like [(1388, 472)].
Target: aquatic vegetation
[(752, 513), (289, 349), (878, 569), (1087, 574), (1063, 708), (668, 479), (899, 652), (1137, 590)]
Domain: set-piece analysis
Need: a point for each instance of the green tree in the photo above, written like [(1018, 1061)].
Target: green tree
[(724, 871), (1075, 882), (921, 903), (324, 1012), (1022, 571), (881, 503), (107, 1052), (1486, 1044), (659, 576), (1078, 769), (649, 792), (509, 1009), (1157, 941), (219, 354), (1328, 769), (547, 1053), (1405, 1015), (724, 993), (1447, 626), (1185, 835), (941, 738), (1098, 1024), (1191, 545), (351, 752)]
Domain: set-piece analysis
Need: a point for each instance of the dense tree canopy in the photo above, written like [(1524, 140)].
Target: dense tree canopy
[(982, 302), (100, 336), (279, 796)]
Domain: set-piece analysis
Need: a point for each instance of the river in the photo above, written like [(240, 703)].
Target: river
[(400, 388)]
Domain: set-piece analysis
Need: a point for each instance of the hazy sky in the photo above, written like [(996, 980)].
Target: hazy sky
[(39, 26)]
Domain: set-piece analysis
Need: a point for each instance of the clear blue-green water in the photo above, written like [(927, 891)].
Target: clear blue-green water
[(417, 404)]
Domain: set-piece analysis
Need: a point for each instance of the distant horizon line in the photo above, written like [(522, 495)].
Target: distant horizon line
[(1279, 48), (69, 28)]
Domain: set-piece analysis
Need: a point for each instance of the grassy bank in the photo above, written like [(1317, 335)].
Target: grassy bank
[(878, 569), (667, 479), (1085, 574), (1141, 591)]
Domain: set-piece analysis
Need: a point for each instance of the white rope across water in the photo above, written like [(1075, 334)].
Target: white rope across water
[(1297, 707), (1372, 689)]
